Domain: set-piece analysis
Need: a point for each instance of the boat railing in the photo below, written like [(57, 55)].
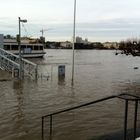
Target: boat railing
[(10, 62), (125, 97)]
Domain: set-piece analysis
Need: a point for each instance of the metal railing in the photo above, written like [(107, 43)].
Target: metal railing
[(9, 62), (30, 68), (126, 97)]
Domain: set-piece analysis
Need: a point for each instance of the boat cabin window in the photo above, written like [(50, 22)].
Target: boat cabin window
[(29, 46), (23, 46), (14, 47), (41, 47), (36, 47), (7, 47)]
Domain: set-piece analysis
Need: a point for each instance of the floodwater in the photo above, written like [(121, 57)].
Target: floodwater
[(98, 73)]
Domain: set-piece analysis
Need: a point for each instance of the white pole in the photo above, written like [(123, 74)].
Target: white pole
[(74, 21), (19, 41)]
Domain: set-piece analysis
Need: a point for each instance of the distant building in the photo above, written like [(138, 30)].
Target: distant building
[(66, 44), (97, 45), (52, 46), (86, 41), (80, 40), (111, 45)]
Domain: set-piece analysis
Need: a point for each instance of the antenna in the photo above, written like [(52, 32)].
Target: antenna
[(43, 30)]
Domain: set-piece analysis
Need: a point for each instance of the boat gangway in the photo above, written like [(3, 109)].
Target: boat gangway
[(11, 63)]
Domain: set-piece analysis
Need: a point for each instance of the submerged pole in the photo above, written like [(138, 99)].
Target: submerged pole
[(42, 128), (19, 44), (73, 46), (125, 119), (135, 119)]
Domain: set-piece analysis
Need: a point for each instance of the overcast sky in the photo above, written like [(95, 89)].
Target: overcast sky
[(97, 20)]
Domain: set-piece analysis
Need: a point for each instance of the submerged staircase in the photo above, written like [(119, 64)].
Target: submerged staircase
[(11, 63)]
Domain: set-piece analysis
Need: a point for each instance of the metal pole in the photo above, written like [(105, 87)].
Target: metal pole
[(19, 43), (42, 128), (42, 32), (73, 42), (135, 119), (50, 127), (125, 119), (36, 72)]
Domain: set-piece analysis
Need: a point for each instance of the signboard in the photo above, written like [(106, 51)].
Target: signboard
[(61, 70), (1, 40)]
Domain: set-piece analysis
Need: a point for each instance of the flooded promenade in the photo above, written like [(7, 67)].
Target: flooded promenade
[(98, 73)]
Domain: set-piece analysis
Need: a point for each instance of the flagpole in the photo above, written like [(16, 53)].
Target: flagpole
[(73, 46)]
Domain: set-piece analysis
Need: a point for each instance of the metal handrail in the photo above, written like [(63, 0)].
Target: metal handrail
[(9, 60), (124, 96), (9, 53), (79, 106), (29, 68)]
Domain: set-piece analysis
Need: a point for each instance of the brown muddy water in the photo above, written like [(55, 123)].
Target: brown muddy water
[(98, 73)]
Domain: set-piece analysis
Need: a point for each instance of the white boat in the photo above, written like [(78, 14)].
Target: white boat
[(29, 47)]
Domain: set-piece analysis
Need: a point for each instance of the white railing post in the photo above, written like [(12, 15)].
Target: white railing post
[(36, 72)]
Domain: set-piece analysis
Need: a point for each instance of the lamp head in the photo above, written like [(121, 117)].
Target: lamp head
[(23, 20)]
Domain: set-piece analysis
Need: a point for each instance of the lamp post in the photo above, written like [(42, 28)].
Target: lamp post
[(19, 44), (73, 46)]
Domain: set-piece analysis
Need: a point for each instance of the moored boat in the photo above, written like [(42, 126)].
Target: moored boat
[(29, 47)]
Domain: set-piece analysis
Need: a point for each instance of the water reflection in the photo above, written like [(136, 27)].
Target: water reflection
[(19, 118), (18, 85), (61, 80)]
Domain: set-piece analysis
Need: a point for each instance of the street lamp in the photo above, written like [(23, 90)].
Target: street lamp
[(73, 46), (19, 44)]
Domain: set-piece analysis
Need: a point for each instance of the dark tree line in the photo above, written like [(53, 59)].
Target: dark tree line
[(130, 47)]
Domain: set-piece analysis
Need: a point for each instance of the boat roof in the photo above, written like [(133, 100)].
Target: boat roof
[(23, 42)]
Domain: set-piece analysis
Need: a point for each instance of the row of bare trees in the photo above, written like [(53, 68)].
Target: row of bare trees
[(130, 47)]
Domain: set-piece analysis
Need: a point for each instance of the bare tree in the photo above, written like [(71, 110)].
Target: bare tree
[(130, 47)]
